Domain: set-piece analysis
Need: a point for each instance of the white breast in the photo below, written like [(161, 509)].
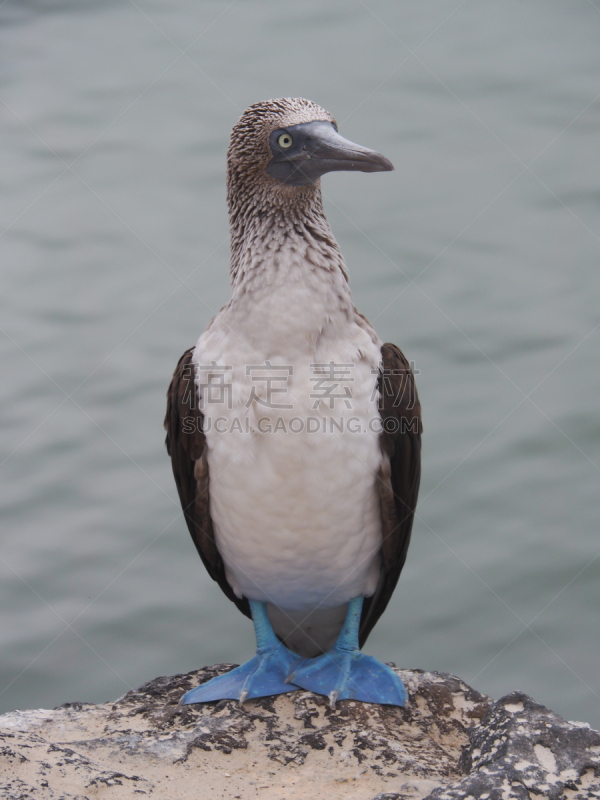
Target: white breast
[(292, 489)]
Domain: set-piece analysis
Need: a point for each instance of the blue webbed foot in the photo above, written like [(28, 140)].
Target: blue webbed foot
[(262, 676), (344, 673), (350, 675)]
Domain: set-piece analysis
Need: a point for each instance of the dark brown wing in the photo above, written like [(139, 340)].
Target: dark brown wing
[(399, 476), (186, 444)]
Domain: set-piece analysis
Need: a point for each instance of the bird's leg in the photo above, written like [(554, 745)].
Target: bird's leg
[(262, 676), (345, 673)]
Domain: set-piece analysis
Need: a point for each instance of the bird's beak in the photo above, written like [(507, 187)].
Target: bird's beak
[(318, 148)]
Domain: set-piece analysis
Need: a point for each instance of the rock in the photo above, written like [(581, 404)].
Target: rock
[(451, 742)]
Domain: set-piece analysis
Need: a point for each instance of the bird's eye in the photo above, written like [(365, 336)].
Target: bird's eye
[(285, 141)]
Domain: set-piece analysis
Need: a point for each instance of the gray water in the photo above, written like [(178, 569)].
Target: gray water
[(478, 256)]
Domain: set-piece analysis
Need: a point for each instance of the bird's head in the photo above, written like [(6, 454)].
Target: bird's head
[(282, 147)]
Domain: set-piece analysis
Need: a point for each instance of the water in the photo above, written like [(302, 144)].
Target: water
[(116, 119)]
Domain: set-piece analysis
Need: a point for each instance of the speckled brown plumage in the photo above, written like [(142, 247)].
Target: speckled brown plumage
[(258, 204)]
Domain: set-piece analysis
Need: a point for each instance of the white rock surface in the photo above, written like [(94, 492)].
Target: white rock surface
[(450, 743)]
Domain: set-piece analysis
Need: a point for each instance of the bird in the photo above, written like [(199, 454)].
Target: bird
[(294, 432)]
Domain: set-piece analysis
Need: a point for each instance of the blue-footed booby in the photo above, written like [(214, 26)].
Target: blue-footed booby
[(294, 432)]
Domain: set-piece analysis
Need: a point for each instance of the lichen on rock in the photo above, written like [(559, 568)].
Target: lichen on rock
[(451, 742)]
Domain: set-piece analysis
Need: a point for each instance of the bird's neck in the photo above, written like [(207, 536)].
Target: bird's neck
[(289, 281), (273, 242)]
